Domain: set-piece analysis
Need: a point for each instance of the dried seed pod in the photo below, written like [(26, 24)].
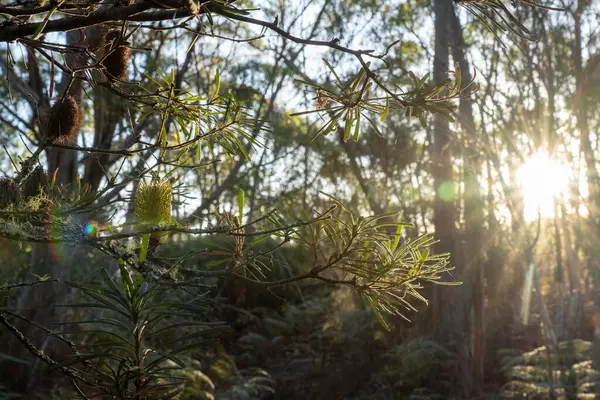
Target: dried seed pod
[(9, 193), (117, 57), (153, 205), (36, 182), (64, 120)]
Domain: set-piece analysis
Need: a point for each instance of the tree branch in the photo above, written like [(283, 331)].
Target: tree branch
[(15, 32), (143, 11)]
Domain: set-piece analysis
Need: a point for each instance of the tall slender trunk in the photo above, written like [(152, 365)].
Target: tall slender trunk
[(473, 211), (449, 315), (582, 109), (440, 152)]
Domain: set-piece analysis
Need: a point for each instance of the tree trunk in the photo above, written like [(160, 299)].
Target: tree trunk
[(449, 316), (473, 212), (582, 116)]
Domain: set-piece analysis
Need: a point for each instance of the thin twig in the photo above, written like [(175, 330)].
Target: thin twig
[(26, 284)]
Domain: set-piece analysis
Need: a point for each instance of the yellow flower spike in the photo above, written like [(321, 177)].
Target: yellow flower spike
[(153, 205)]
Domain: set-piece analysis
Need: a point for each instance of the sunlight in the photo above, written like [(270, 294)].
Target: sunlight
[(541, 178)]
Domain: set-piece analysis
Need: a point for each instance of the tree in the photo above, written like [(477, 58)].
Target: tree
[(150, 135)]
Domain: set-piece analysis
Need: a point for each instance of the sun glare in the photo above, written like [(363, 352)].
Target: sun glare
[(541, 179)]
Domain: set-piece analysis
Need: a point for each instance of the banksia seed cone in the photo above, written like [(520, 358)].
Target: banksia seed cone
[(153, 206), (64, 120), (36, 182), (9, 193), (118, 56)]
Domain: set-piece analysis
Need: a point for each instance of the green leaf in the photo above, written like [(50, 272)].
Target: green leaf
[(357, 127), (374, 126), (192, 43), (424, 80), (446, 283), (176, 360), (122, 340), (307, 83), (334, 108), (109, 281), (378, 313), (42, 25), (76, 359), (241, 148), (96, 290), (389, 46), (144, 248), (338, 81), (386, 110), (217, 83), (338, 201), (126, 280), (92, 305), (348, 127), (103, 321), (397, 238), (177, 136), (357, 79), (414, 79), (186, 324), (258, 240)]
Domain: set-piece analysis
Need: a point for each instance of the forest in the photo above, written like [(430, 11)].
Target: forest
[(299, 199)]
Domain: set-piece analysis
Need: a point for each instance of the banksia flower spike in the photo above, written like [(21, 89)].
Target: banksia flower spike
[(117, 56), (9, 193), (153, 206), (64, 120)]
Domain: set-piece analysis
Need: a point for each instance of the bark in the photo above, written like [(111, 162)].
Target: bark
[(582, 116), (473, 274), (108, 113), (449, 315), (582, 109), (442, 168)]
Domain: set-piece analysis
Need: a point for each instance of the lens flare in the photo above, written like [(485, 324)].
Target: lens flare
[(90, 230)]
